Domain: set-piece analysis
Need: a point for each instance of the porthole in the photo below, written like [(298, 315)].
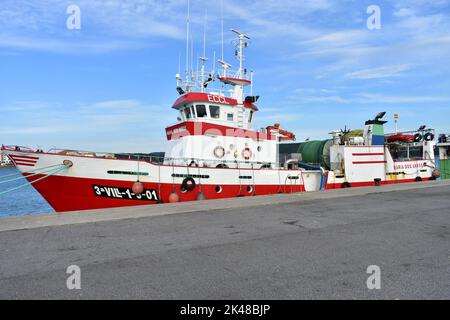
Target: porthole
[(249, 189), (259, 148), (219, 189)]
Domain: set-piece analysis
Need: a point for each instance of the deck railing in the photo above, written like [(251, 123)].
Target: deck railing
[(156, 159)]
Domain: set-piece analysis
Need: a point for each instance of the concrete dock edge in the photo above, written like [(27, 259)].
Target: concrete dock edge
[(91, 216)]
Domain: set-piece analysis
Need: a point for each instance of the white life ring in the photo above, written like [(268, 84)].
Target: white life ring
[(219, 152)]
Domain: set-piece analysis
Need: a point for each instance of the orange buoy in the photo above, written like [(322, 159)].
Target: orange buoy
[(138, 187), (174, 197)]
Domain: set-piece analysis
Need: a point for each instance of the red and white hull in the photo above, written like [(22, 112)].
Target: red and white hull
[(93, 183), (362, 166)]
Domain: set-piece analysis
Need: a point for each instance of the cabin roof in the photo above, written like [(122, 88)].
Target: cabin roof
[(211, 98)]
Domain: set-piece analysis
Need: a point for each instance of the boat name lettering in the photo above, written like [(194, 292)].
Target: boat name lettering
[(409, 166), (217, 99), (125, 193)]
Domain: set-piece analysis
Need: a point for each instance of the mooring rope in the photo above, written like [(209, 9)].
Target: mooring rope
[(32, 175), (34, 181), (34, 170)]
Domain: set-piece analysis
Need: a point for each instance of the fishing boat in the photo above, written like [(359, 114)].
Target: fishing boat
[(370, 157), (212, 152)]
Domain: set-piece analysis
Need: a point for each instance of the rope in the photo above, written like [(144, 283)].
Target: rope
[(31, 175), (34, 181), (20, 173)]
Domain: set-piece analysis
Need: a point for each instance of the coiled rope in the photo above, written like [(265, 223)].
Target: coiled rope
[(53, 171)]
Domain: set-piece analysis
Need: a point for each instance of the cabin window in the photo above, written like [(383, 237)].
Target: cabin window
[(193, 112), (229, 116), (214, 111), (250, 117), (406, 152), (188, 113), (201, 111)]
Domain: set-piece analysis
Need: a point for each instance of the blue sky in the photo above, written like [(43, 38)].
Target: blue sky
[(109, 86)]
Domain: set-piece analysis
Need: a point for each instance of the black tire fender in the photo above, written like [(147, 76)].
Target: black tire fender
[(188, 184), (418, 137), (429, 137)]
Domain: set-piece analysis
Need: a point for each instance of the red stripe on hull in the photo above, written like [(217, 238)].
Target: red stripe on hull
[(369, 162), (23, 161), (24, 164), (371, 183), (73, 194), (23, 157), (367, 154)]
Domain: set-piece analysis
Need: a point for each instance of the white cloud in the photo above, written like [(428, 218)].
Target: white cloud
[(68, 46), (404, 12), (380, 98), (313, 96), (104, 117), (380, 72), (105, 25)]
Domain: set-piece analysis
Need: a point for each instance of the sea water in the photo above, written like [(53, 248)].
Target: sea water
[(21, 202)]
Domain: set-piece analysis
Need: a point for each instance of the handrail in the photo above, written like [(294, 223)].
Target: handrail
[(410, 132), (155, 159)]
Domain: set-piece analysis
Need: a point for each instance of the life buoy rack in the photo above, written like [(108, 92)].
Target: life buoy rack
[(219, 152), (188, 184), (247, 153)]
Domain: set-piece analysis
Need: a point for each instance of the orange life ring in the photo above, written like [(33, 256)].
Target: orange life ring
[(219, 152), (247, 153)]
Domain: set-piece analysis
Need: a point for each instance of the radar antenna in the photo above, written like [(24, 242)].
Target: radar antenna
[(241, 35), (241, 45)]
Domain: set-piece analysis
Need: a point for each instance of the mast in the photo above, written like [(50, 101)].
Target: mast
[(204, 58), (240, 54), (221, 19), (187, 44)]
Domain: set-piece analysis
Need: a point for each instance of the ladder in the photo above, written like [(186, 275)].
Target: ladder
[(240, 117)]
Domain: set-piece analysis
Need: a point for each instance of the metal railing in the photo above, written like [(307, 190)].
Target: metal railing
[(159, 160)]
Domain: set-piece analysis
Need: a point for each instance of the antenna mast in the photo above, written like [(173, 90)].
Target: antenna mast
[(204, 58), (242, 44), (192, 58), (221, 18), (187, 44)]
